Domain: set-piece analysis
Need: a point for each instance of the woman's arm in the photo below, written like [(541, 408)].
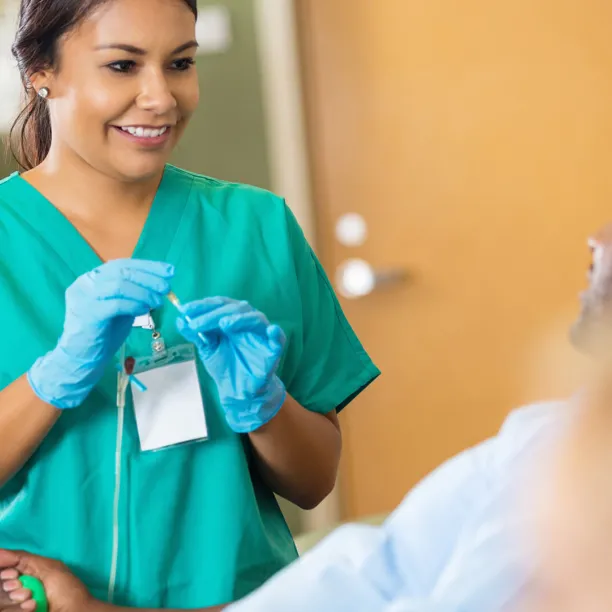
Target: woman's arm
[(298, 450), (298, 453), (100, 307), (25, 420)]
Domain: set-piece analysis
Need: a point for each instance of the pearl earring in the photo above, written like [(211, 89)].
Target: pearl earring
[(43, 92)]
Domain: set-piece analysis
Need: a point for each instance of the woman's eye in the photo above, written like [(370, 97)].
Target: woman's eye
[(127, 66), (183, 64), (122, 66)]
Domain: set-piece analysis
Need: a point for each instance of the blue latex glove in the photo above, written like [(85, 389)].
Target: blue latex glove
[(100, 310), (241, 352)]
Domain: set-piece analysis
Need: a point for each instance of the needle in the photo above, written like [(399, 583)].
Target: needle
[(177, 304)]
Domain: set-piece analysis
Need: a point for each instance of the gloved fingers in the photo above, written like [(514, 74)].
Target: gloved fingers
[(120, 282), (160, 284), (253, 322), (186, 331), (156, 268), (211, 320), (277, 337), (206, 342), (258, 341), (110, 291), (198, 308), (121, 307)]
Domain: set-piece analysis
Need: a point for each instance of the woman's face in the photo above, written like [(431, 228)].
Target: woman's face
[(125, 87)]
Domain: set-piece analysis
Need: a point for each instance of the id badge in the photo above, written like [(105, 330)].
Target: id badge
[(171, 410)]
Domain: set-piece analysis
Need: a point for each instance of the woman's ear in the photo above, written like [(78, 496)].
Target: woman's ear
[(41, 83)]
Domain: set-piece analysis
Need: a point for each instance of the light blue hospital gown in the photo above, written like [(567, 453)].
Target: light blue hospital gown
[(449, 546)]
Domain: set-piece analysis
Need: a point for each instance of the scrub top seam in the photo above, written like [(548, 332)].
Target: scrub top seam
[(368, 365), (366, 377), (180, 224), (349, 333)]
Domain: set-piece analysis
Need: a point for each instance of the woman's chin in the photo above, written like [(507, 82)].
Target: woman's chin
[(140, 170)]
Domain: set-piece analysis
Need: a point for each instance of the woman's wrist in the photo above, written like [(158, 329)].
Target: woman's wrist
[(261, 409), (57, 380)]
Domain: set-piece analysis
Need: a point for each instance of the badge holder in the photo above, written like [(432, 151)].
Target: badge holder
[(170, 412), (177, 354)]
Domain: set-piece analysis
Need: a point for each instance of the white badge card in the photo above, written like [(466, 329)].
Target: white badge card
[(171, 410), (144, 321)]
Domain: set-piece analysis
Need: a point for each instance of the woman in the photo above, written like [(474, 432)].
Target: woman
[(160, 509)]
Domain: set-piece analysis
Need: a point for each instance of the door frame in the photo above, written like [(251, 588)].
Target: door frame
[(288, 151)]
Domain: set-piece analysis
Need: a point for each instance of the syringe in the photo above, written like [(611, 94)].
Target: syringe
[(173, 299)]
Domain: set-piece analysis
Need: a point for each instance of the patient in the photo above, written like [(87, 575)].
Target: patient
[(519, 522)]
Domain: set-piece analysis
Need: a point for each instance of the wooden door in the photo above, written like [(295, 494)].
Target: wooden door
[(475, 139)]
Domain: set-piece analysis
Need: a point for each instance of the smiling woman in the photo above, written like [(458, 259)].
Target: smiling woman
[(96, 232), (105, 62)]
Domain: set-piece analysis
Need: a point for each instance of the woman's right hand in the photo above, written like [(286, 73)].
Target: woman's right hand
[(100, 310)]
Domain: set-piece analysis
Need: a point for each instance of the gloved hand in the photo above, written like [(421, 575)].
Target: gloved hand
[(241, 352), (100, 310)]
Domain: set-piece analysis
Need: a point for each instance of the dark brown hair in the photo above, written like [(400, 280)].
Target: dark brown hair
[(42, 23)]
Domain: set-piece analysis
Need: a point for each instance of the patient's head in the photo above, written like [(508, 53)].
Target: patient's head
[(592, 331)]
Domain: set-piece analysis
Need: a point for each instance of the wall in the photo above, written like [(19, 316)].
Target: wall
[(474, 139), (227, 138)]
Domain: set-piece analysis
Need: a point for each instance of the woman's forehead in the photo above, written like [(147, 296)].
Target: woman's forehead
[(137, 22)]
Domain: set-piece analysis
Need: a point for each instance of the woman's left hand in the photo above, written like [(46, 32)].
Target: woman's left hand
[(241, 352)]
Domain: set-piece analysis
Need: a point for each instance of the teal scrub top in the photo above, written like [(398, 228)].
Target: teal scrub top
[(197, 526)]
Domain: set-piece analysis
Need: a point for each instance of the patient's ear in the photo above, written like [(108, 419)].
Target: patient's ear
[(592, 332)]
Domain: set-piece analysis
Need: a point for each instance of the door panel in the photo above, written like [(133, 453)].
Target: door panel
[(475, 138)]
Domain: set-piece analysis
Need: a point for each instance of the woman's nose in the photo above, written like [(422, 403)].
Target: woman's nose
[(156, 94)]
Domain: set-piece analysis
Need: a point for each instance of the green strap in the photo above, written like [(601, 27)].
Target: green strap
[(38, 592)]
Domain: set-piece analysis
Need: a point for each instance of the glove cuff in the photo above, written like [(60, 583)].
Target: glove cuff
[(60, 381), (247, 415)]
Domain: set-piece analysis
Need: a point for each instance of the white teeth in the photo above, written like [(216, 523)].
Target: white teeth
[(145, 132)]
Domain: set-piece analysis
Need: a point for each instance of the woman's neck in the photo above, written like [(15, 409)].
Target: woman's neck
[(110, 214), (81, 192)]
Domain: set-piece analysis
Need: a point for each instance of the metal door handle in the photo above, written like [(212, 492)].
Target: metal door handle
[(356, 278)]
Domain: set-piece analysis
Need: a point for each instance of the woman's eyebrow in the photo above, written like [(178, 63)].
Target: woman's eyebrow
[(138, 51)]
